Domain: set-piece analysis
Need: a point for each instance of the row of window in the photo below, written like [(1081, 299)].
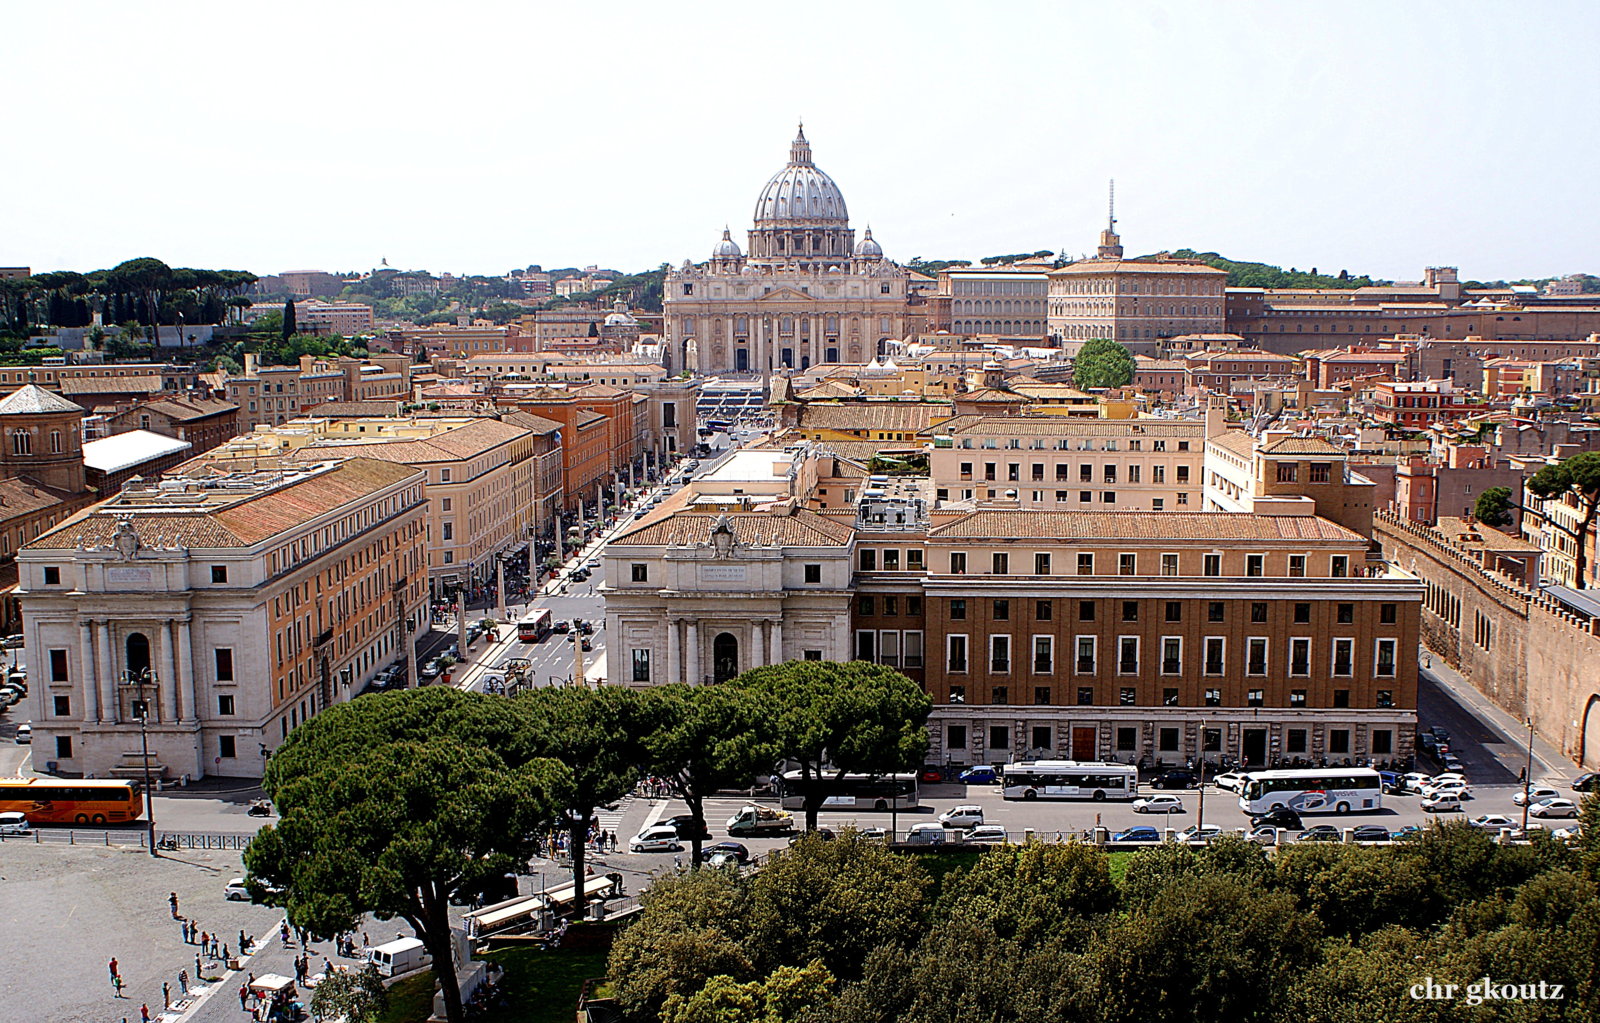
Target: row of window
[(1255, 565), (1295, 740), (1172, 611), (1065, 444), (1128, 696), (1213, 661), (1086, 474)]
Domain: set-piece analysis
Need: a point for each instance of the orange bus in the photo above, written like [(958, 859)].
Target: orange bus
[(64, 801)]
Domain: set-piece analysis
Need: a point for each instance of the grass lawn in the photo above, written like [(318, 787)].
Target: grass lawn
[(410, 1001), (543, 987)]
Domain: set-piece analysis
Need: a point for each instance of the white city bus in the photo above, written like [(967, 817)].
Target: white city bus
[(1069, 779), (1313, 790), (850, 792)]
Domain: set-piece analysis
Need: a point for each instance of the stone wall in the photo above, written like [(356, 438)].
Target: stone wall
[(1525, 652)]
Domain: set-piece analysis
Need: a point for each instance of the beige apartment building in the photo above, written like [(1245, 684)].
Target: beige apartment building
[(509, 368), (1066, 463), (273, 395), (479, 477), (235, 599)]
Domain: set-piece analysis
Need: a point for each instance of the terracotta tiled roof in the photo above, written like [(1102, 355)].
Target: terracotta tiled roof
[(1302, 446), (23, 497), (992, 394), (1151, 527), (1237, 441), (531, 422), (871, 415), (254, 516), (111, 385), (1136, 266), (188, 409), (353, 409), (799, 528), (1059, 426), (30, 399), (474, 438)]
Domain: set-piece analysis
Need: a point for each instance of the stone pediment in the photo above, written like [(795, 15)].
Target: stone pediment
[(786, 294)]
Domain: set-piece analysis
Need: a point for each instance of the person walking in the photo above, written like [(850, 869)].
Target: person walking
[(172, 900), (112, 967), (118, 983), (244, 997), (144, 1013)]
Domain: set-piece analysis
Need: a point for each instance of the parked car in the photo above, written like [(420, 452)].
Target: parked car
[(873, 834), (988, 834), (1416, 781), (1266, 835), (967, 816), (14, 822), (1231, 781), (1140, 833), (930, 774), (1176, 779), (1158, 804), (1587, 782), (1407, 833), (1536, 794), (983, 774), (926, 833), (238, 891), (1195, 834), (1441, 802), (1278, 817), (1556, 806), (24, 735), (1450, 762), (431, 668), (736, 850), (1452, 786), (683, 826), (656, 838), (825, 834), (1370, 833), (1320, 833)]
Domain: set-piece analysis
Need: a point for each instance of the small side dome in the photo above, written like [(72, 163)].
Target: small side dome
[(867, 248), (727, 248)]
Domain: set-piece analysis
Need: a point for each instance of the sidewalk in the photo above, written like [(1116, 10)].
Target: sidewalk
[(1547, 759)]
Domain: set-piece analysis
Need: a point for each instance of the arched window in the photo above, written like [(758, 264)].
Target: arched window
[(55, 442), (724, 656), (21, 442), (137, 654)]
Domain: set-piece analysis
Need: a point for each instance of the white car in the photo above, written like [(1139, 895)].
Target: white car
[(986, 833), (1494, 822), (1232, 781), (1451, 786), (1555, 806), (1441, 802), (1416, 781), (657, 838), (962, 817), (1158, 804), (1534, 795), (24, 735), (1194, 834), (237, 891), (14, 823), (926, 833)]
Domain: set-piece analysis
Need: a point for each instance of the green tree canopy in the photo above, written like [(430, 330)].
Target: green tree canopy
[(1577, 478), (1026, 892), (704, 738), (1493, 507), (389, 803), (350, 996), (1102, 363), (840, 718)]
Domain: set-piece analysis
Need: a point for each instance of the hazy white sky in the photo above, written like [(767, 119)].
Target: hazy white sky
[(474, 137)]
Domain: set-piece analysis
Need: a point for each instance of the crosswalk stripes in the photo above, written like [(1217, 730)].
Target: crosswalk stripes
[(611, 820)]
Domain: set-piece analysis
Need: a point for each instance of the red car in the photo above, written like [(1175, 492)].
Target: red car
[(930, 773)]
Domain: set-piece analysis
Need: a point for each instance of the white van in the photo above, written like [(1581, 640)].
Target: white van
[(399, 956), (14, 822), (927, 833)]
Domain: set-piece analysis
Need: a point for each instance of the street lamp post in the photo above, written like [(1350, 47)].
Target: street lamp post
[(141, 681), (1200, 822), (1527, 776)]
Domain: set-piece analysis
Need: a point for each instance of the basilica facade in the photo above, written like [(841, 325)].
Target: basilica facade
[(807, 292)]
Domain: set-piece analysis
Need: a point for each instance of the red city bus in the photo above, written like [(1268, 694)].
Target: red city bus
[(534, 627), (66, 801)]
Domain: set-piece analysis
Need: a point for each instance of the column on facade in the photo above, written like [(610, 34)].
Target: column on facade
[(775, 635), (761, 643), (108, 694), (87, 676), (691, 655), (674, 654), (169, 681), (189, 707)]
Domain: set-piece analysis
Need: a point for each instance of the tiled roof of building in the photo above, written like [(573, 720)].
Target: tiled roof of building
[(1038, 389), (1237, 441), (1248, 355), (189, 409), (23, 497), (529, 421), (871, 415), (1476, 534), (1302, 446), (226, 518), (783, 528), (31, 399), (1005, 524), (589, 418), (1083, 266), (353, 409), (466, 441), (112, 385), (992, 394), (1054, 426)]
